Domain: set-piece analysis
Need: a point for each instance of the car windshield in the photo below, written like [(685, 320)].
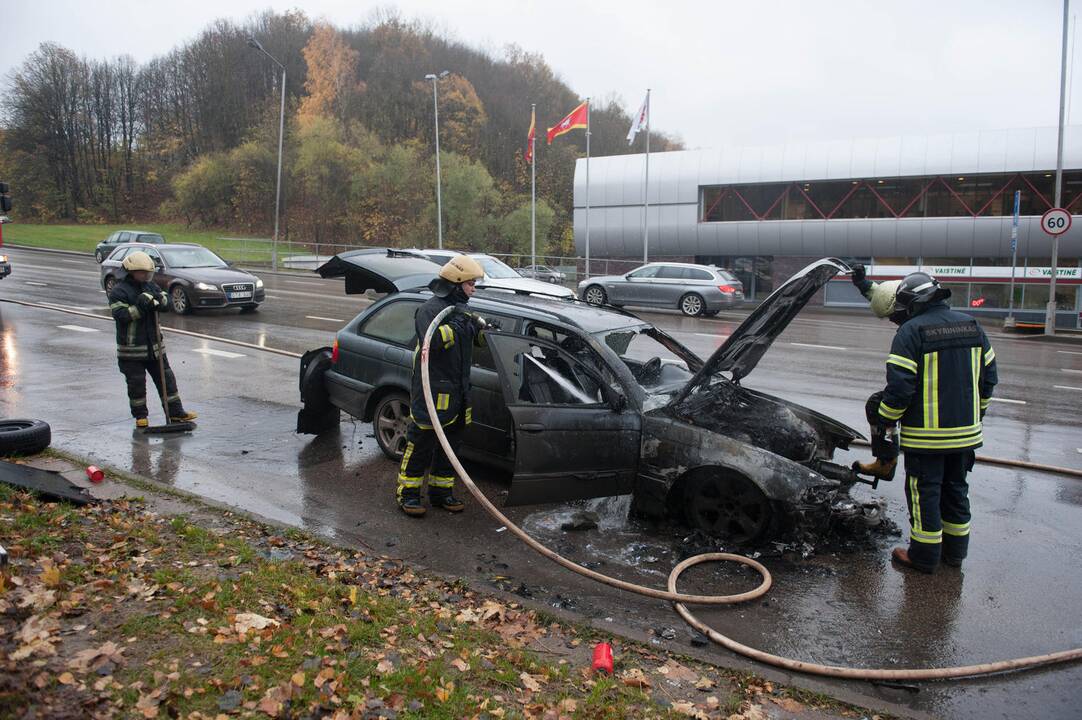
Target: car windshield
[(150, 238), (191, 257), (637, 346), (496, 270)]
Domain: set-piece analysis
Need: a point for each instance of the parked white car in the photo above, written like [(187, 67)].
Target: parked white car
[(498, 274)]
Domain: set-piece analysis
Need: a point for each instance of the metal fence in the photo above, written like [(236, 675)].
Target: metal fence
[(259, 252)]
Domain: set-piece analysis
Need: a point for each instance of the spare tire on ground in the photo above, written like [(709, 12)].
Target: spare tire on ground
[(23, 437)]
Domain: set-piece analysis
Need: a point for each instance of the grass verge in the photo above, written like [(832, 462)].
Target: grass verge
[(113, 610)]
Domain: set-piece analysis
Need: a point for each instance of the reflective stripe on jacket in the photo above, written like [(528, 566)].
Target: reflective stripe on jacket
[(941, 372)]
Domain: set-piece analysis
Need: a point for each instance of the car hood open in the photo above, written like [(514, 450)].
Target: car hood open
[(380, 270), (741, 352)]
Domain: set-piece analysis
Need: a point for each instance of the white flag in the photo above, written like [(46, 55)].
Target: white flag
[(640, 121)]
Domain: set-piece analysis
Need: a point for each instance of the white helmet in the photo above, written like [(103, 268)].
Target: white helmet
[(138, 260), (883, 297)]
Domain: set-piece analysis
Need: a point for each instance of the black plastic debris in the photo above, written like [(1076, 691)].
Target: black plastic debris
[(48, 484)]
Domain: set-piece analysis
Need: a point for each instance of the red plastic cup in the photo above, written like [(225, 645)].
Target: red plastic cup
[(603, 658), (95, 474)]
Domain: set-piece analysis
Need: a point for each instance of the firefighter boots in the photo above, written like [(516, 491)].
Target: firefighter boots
[(442, 498)]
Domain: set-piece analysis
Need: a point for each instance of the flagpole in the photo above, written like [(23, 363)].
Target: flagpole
[(587, 187), (533, 189), (646, 189)]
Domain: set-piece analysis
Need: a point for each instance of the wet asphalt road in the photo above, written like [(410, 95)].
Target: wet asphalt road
[(1018, 594)]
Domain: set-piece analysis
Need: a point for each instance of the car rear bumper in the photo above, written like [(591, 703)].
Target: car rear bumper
[(719, 301)]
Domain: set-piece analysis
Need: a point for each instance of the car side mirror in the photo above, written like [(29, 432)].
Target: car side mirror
[(158, 266)]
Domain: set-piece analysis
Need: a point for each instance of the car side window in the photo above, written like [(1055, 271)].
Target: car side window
[(124, 237), (697, 274), (671, 272), (154, 256), (482, 355), (646, 272), (393, 322), (539, 373), (119, 253)]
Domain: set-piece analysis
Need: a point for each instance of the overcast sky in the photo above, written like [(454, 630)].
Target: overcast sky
[(723, 73)]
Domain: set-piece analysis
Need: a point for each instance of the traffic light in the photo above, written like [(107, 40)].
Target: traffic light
[(5, 198)]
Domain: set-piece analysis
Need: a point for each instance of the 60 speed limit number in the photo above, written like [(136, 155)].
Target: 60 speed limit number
[(1056, 221)]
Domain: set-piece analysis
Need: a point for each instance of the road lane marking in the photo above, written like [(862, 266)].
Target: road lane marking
[(821, 347), (219, 353), (1069, 352), (317, 317), (1007, 400), (1069, 370), (31, 282), (272, 297), (301, 282), (1066, 387), (77, 328)]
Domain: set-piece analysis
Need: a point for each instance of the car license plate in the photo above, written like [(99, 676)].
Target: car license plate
[(239, 295)]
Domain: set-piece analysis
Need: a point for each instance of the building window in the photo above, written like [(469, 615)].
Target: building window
[(988, 195)]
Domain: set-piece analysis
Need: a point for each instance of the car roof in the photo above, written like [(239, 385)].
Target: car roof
[(575, 313), (690, 265), (156, 246)]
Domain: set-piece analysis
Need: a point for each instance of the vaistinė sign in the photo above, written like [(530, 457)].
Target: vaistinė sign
[(965, 273)]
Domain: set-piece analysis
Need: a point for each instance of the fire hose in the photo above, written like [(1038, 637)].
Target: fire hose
[(681, 600)]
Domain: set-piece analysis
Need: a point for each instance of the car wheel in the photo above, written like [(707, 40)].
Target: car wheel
[(249, 308), (595, 295), (691, 305), (178, 297), (24, 437), (110, 283), (390, 422), (99, 256), (727, 505)]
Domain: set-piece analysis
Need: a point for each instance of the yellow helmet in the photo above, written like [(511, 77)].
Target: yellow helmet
[(883, 297), (138, 260), (461, 268)]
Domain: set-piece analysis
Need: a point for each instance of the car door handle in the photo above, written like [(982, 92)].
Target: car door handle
[(531, 427)]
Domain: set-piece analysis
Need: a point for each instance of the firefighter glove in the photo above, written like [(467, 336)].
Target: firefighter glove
[(859, 274), (146, 301)]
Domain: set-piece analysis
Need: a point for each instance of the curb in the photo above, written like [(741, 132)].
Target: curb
[(78, 253)]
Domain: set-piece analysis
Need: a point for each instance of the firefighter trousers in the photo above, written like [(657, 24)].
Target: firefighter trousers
[(424, 455), (135, 375), (937, 496)]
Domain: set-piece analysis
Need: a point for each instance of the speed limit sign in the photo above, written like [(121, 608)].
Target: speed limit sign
[(1056, 221)]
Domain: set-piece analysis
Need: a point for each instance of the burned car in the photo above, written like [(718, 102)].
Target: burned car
[(579, 401)]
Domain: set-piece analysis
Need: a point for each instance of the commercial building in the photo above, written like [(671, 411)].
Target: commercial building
[(942, 203)]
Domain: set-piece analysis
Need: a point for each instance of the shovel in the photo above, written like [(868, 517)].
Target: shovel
[(169, 427)]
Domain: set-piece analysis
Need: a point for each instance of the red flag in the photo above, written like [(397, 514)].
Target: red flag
[(577, 118), (529, 137)]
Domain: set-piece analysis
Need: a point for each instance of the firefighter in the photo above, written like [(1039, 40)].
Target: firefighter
[(449, 360), (941, 372), (134, 302)]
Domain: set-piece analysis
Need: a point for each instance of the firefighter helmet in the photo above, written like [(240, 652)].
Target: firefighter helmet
[(138, 260), (882, 297), (460, 269), (919, 289)]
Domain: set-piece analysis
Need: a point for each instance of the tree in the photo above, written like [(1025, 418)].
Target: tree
[(331, 84), (322, 174), (515, 228), (204, 191), (470, 200)]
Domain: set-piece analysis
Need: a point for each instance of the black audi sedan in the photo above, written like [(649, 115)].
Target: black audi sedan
[(193, 277)]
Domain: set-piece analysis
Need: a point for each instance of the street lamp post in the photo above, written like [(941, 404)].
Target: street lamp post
[(252, 42), (436, 109)]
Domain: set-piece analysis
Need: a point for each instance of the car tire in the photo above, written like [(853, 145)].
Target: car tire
[(109, 284), (390, 421), (99, 256), (595, 295), (23, 437), (249, 308), (712, 313), (692, 305), (178, 299), (727, 505)]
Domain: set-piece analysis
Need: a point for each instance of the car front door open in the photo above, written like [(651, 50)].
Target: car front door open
[(574, 439)]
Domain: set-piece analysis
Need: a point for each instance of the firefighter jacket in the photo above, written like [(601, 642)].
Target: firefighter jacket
[(450, 358), (136, 334), (940, 375)]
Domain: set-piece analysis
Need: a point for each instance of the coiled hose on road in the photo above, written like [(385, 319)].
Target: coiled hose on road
[(681, 600)]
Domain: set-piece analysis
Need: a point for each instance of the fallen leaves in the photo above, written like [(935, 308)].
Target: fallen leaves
[(36, 636), (243, 622), (92, 659), (635, 678)]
